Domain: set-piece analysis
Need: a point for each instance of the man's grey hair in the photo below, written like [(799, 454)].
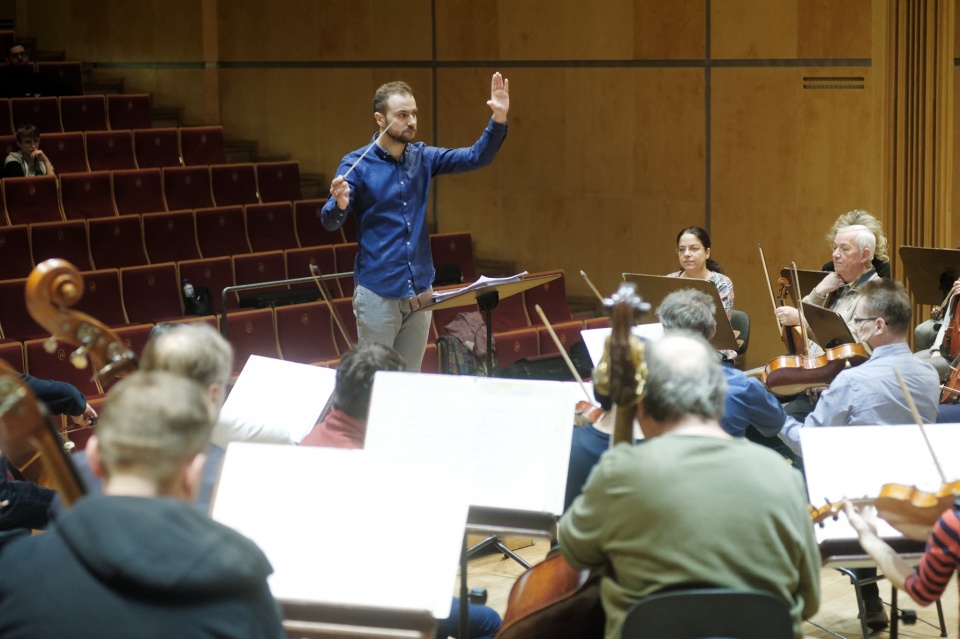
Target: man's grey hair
[(690, 310), (684, 378), (865, 237), (196, 351)]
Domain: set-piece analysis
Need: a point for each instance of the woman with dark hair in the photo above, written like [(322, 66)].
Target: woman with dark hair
[(693, 249)]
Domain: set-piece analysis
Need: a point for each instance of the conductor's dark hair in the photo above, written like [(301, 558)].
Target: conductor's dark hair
[(704, 237), (384, 92), (355, 376)]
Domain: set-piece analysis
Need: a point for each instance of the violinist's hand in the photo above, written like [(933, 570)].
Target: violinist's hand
[(788, 316), (956, 288), (828, 285), (86, 419), (340, 190), (863, 520)]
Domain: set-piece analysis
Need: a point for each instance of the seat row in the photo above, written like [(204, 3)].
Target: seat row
[(152, 292), (78, 152), (76, 196), (306, 333), (75, 112)]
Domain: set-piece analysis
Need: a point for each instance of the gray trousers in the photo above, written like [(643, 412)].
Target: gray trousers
[(393, 324)]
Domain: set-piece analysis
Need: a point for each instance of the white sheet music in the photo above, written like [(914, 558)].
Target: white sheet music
[(514, 435), (856, 461), (279, 399), (481, 282), (595, 338), (343, 527)]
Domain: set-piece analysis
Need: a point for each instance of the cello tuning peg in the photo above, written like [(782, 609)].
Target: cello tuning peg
[(50, 345), (79, 357)]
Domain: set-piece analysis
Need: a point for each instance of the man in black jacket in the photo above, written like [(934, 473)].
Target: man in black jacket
[(139, 560)]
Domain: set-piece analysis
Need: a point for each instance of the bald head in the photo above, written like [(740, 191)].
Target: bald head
[(684, 379)]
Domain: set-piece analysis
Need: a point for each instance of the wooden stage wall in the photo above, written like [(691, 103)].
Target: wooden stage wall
[(630, 119)]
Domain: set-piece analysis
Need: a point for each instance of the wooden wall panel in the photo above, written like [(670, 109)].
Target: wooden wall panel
[(570, 30), (105, 30), (294, 112), (176, 88), (327, 30), (581, 183), (806, 29), (787, 161)]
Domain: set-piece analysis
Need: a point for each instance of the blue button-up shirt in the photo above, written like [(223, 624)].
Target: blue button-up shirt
[(749, 403), (389, 198), (870, 395)]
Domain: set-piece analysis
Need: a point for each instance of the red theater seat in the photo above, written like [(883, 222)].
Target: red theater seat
[(216, 273), (201, 145), (63, 240), (270, 226), (220, 231), (151, 294), (32, 199), (279, 181), (87, 195), (110, 150), (252, 333), (310, 230), (116, 242), (187, 187), (138, 191), (66, 151), (129, 111), (156, 148), (305, 333), (234, 184), (552, 298), (43, 113), (83, 113), (15, 258), (170, 236)]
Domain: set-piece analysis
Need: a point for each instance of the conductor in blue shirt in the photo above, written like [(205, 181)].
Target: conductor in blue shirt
[(386, 184)]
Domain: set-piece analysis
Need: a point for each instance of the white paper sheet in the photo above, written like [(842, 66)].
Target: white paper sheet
[(279, 399), (343, 527), (513, 434), (595, 338)]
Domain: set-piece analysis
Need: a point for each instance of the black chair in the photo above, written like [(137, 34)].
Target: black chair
[(740, 321), (709, 613)]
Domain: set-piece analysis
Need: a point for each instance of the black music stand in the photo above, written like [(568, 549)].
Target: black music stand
[(927, 269), (808, 280), (487, 296)]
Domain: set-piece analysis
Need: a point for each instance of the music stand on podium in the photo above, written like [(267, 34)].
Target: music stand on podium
[(928, 269)]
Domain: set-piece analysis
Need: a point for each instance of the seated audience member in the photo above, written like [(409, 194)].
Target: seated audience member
[(19, 79), (138, 560), (346, 427), (29, 161), (742, 520), (28, 505)]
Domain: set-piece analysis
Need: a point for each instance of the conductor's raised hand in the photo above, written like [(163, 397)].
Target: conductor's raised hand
[(499, 101), (340, 190)]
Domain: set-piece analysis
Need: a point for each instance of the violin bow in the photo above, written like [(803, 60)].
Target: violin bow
[(563, 352), (592, 287), (803, 320), (773, 302), (917, 418), (315, 272)]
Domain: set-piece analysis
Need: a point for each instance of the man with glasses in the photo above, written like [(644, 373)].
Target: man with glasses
[(20, 80), (870, 394)]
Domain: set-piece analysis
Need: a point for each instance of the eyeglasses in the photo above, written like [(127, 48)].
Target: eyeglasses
[(857, 320), (20, 54), (693, 249)]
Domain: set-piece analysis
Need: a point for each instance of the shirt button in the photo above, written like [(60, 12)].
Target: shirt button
[(404, 203)]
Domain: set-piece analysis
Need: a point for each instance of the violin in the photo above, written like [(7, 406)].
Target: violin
[(53, 285), (791, 374), (552, 600), (950, 391), (791, 336), (950, 346)]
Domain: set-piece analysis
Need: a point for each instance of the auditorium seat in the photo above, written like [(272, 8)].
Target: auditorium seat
[(254, 268), (134, 337), (43, 113), (8, 144), (514, 345), (63, 240), (66, 152), (83, 113), (15, 320), (15, 258), (138, 191), (279, 181), (170, 236), (216, 273), (220, 231), (87, 195), (116, 242), (129, 111), (187, 187), (11, 352), (202, 145), (101, 297), (343, 307), (152, 293), (299, 261), (454, 249), (6, 123), (156, 148), (234, 184), (431, 360), (596, 322), (57, 366), (345, 254), (567, 332), (270, 226), (551, 296), (305, 333), (310, 229), (32, 199), (67, 74), (251, 333), (509, 314), (110, 150)]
